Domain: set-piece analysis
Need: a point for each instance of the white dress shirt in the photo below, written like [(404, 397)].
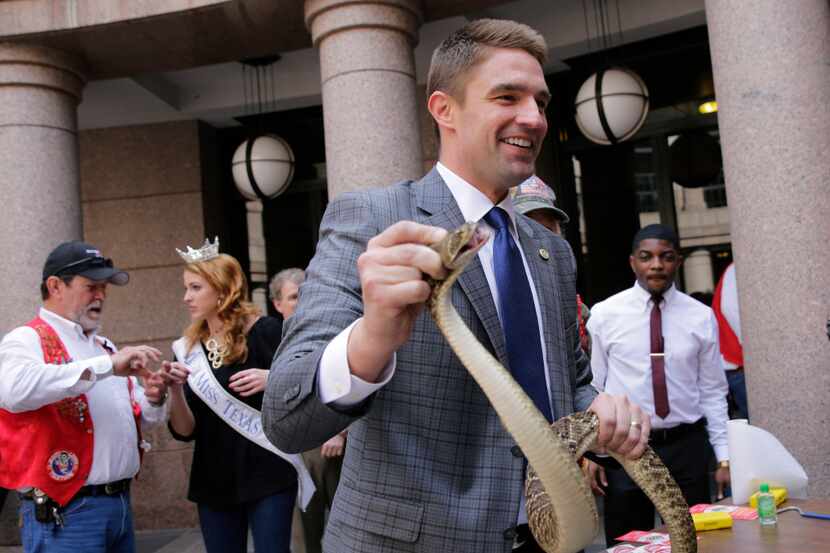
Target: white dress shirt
[(27, 383), (620, 329)]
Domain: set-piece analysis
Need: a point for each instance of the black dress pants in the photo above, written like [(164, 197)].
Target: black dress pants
[(686, 456)]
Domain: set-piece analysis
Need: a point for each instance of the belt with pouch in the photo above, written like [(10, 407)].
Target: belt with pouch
[(109, 489), (48, 511)]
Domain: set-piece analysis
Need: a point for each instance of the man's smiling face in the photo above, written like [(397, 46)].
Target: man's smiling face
[(500, 124)]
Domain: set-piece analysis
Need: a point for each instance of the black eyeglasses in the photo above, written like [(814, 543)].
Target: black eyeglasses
[(93, 261)]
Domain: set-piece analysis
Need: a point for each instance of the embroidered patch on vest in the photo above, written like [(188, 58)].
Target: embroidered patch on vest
[(62, 465)]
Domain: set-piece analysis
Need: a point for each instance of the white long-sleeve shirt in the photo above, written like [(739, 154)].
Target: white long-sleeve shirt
[(27, 383), (620, 330)]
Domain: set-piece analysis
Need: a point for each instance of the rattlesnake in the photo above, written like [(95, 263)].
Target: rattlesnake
[(561, 511)]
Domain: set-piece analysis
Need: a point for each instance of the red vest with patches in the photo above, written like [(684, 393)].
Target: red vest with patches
[(730, 345), (50, 448)]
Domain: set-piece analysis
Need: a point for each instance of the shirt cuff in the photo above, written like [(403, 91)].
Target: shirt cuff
[(152, 414), (336, 385), (721, 452), (99, 367)]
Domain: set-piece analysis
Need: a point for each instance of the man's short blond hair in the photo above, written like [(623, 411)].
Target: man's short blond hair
[(466, 47)]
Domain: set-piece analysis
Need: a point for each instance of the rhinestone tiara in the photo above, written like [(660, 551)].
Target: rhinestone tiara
[(206, 252)]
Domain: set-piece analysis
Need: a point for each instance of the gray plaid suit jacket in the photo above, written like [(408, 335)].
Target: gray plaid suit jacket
[(428, 466)]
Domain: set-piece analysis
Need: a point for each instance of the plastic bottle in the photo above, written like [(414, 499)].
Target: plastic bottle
[(766, 507)]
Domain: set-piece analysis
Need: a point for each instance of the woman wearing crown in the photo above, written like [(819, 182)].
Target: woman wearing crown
[(238, 479)]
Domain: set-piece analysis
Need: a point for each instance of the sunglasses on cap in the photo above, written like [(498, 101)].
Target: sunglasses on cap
[(93, 262)]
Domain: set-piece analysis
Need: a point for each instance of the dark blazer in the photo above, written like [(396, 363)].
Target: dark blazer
[(428, 466)]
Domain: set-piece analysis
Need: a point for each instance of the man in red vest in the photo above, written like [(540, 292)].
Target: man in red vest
[(725, 306), (71, 410)]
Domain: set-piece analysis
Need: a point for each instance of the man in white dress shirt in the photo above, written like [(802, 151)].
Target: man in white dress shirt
[(71, 411), (659, 347)]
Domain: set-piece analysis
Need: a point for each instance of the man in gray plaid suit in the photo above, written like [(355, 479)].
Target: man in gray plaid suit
[(428, 466)]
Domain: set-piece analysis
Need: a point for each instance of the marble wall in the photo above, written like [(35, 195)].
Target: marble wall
[(141, 192)]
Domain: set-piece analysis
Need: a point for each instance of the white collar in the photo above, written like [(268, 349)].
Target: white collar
[(645, 299), (69, 327), (472, 202)]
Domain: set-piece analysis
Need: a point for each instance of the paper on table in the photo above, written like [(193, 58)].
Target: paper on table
[(648, 548), (755, 457)]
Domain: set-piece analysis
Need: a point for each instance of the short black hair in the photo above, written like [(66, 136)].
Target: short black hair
[(659, 232)]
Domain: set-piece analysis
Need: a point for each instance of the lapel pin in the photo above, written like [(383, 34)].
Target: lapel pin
[(543, 253)]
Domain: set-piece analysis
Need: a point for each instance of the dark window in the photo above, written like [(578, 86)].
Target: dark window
[(645, 180), (714, 194), (646, 186)]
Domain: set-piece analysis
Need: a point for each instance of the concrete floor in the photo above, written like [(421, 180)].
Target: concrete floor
[(189, 540)]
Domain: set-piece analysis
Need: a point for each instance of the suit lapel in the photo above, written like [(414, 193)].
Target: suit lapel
[(438, 208), (548, 291)]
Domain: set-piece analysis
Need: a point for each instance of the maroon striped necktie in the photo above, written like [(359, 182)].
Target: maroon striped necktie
[(658, 368)]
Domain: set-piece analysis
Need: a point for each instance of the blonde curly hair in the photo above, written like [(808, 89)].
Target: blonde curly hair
[(224, 274)]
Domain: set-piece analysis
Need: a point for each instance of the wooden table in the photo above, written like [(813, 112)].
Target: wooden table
[(792, 534)]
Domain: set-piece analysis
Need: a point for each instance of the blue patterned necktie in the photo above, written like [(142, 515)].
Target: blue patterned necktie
[(518, 313)]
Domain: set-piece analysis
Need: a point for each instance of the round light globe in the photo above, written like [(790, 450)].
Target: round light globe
[(611, 106), (263, 167)]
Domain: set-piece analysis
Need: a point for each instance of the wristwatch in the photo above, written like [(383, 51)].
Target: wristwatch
[(723, 464)]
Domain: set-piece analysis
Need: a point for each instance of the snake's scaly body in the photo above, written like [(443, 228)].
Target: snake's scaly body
[(561, 510)]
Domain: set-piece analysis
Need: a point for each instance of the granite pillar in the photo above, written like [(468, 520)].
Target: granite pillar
[(369, 94), (40, 89), (772, 82)]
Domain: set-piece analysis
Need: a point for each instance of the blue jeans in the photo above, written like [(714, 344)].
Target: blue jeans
[(226, 530), (92, 524), (737, 387)]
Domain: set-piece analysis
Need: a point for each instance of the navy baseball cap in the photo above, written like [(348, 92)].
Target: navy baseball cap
[(80, 258)]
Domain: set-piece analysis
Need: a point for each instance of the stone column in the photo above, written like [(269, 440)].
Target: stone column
[(39, 187), (39, 92), (257, 255), (772, 82), (697, 271), (369, 98)]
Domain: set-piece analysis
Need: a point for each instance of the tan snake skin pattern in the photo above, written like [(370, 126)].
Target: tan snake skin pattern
[(561, 510)]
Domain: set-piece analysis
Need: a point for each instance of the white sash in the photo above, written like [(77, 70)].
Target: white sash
[(241, 417)]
